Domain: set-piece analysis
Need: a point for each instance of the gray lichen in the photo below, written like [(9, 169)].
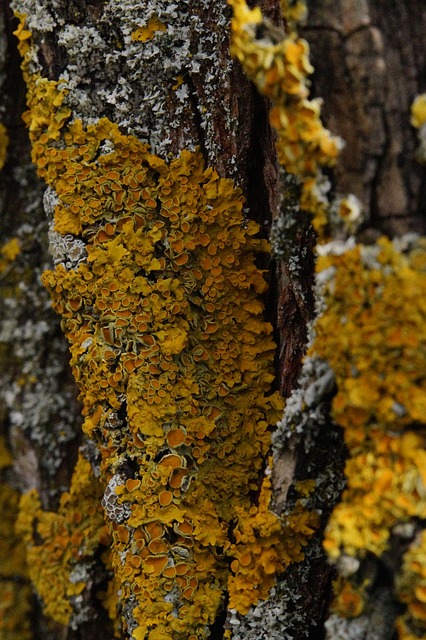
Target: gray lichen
[(162, 86)]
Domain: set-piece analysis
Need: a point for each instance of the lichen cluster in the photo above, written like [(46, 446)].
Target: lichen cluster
[(411, 590), (370, 336), (418, 120), (278, 64), (158, 69), (375, 341), (159, 299), (60, 545), (8, 253), (15, 591)]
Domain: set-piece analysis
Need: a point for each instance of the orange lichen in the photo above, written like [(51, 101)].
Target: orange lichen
[(174, 365), (350, 601), (58, 542)]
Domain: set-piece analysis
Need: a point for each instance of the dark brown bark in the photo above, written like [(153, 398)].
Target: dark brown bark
[(370, 64)]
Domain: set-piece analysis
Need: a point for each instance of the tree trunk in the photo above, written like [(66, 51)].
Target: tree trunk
[(144, 187), (369, 66)]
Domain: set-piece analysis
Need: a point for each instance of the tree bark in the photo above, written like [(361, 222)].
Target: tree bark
[(369, 67), (161, 74)]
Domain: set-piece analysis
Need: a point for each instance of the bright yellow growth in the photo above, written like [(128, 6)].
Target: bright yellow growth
[(373, 335), (174, 365), (280, 71), (411, 589), (293, 12), (259, 549), (64, 540), (143, 34), (386, 485), (8, 253), (418, 111), (15, 592)]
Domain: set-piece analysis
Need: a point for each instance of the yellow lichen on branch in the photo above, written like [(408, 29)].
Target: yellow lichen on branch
[(418, 120), (15, 591), (411, 589), (9, 251), (373, 335), (147, 32), (372, 330), (64, 541), (160, 301), (278, 64)]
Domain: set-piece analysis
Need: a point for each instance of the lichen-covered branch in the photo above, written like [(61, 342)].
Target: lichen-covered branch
[(191, 504), (369, 343), (159, 296)]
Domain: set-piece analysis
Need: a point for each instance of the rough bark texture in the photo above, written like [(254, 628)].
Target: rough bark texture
[(369, 64)]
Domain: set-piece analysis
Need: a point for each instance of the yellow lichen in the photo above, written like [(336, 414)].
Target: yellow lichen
[(350, 601), (5, 456), (386, 485), (174, 365), (58, 542), (145, 33), (294, 12), (280, 71), (418, 111), (411, 590), (15, 592), (418, 120), (373, 335), (8, 253)]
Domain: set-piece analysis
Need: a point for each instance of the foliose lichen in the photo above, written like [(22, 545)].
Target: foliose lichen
[(369, 343), (418, 120), (15, 591), (154, 68), (60, 545), (278, 64), (159, 297), (375, 342)]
